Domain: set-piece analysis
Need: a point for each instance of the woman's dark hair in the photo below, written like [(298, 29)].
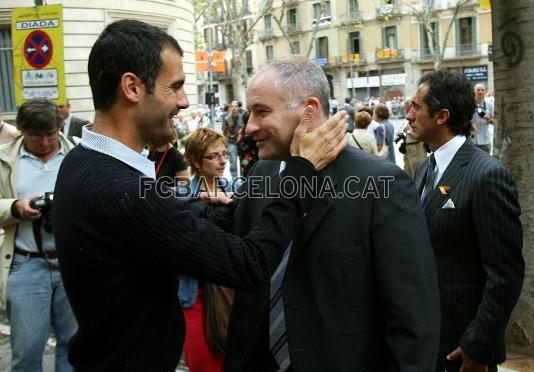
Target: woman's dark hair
[(126, 46)]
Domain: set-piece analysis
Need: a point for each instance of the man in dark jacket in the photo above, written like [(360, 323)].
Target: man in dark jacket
[(357, 289)]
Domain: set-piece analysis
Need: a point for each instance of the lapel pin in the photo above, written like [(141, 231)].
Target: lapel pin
[(444, 190)]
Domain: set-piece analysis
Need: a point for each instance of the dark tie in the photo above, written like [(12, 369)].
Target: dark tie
[(430, 178), (277, 322)]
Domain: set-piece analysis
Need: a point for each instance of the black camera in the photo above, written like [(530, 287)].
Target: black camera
[(400, 137), (44, 205), (481, 112)]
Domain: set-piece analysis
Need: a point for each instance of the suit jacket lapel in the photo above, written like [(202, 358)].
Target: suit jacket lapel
[(453, 174), (420, 175), (317, 212)]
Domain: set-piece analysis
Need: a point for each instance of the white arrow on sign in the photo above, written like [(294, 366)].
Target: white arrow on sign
[(44, 48), (30, 49)]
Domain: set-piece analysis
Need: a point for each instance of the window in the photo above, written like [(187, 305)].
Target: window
[(425, 45), (465, 39), (354, 42), (317, 10), (354, 9), (248, 60), (268, 23), (322, 47), (295, 47), (269, 52), (292, 17), (7, 91), (389, 39)]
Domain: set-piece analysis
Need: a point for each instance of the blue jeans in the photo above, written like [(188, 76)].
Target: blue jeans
[(232, 151), (37, 300)]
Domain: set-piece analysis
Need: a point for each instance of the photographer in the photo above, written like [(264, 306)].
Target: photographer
[(30, 279), (482, 119)]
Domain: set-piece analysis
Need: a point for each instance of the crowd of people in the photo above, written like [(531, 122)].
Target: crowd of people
[(358, 265)]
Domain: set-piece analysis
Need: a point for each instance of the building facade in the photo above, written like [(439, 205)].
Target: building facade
[(83, 21), (375, 48)]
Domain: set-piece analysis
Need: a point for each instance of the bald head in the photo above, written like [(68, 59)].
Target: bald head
[(480, 92)]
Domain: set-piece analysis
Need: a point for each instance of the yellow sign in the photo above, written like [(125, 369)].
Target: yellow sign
[(37, 34), (485, 4)]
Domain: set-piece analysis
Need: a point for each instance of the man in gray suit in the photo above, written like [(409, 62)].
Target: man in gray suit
[(357, 289), (72, 125), (472, 212)]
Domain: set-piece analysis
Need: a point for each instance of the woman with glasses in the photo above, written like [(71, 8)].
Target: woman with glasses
[(206, 153)]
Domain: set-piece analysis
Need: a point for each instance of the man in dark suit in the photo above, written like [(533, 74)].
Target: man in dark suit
[(471, 208), (358, 285), (72, 126)]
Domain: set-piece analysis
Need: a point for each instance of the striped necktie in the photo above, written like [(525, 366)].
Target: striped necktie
[(277, 323), (430, 179)]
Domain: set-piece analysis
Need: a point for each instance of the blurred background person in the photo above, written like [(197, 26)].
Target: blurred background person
[(206, 153), (169, 162), (231, 127), (192, 123), (483, 119), (180, 125), (248, 149), (72, 125), (30, 277), (203, 120), (7, 131), (350, 110), (385, 132), (360, 138), (414, 151)]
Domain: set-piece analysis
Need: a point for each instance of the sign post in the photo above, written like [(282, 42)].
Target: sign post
[(37, 34)]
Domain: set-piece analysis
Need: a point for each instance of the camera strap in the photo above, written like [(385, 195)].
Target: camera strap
[(37, 234)]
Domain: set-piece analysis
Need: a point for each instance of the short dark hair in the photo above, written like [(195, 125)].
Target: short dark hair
[(450, 90), (126, 46), (38, 114)]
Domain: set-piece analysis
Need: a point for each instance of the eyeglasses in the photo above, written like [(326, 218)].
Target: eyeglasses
[(40, 136), (216, 156)]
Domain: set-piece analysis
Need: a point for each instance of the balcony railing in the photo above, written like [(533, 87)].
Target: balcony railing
[(460, 51), (343, 60), (452, 3), (466, 50), (324, 21), (388, 55), (387, 10), (293, 28), (350, 18), (266, 34)]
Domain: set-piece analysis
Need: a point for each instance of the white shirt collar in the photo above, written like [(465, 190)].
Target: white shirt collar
[(282, 167), (118, 150), (445, 154)]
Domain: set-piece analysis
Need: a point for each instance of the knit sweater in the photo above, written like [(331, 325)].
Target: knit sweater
[(120, 254)]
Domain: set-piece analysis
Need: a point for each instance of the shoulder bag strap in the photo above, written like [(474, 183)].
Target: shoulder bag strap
[(358, 143)]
